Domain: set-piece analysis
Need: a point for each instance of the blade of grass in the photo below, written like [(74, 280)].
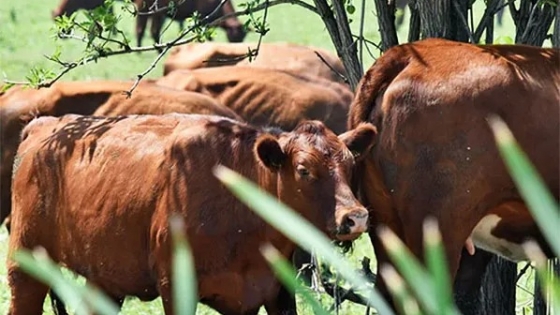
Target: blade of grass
[(396, 285), (412, 271), (437, 266), (185, 296), (542, 205), (287, 276), (83, 299), (297, 229)]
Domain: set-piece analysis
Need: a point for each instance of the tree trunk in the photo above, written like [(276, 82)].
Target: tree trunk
[(556, 32), (540, 307), (532, 22), (497, 293), (341, 36), (435, 19), (414, 27), (386, 22)]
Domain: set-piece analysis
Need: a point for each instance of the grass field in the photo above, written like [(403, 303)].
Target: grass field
[(25, 36)]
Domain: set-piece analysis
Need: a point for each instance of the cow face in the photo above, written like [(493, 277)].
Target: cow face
[(313, 168)]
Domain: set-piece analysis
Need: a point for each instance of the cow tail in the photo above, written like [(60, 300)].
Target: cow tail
[(376, 79)]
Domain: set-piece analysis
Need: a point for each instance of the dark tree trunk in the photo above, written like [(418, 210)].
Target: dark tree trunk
[(435, 19), (414, 27), (532, 21), (497, 293), (556, 32), (341, 36), (540, 306), (386, 21)]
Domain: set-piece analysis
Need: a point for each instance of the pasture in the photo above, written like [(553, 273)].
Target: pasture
[(26, 36)]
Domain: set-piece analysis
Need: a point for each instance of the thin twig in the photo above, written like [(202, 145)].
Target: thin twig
[(361, 38), (331, 67), (152, 11), (523, 271)]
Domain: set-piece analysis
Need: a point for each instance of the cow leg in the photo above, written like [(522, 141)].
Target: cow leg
[(28, 295), (157, 23), (469, 280), (284, 304), (141, 22)]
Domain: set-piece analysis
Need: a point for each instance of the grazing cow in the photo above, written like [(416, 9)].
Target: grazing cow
[(67, 7), (103, 98), (119, 179), (292, 58), (232, 26), (268, 97), (435, 155)]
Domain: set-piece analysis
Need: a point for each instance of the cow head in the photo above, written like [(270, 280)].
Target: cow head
[(313, 168), (235, 30)]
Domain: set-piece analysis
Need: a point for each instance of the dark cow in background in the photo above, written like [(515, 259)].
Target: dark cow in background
[(268, 97), (103, 98), (435, 155), (292, 58), (156, 166), (234, 29), (68, 7)]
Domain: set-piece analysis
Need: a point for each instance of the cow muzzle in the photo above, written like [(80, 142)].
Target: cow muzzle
[(353, 223)]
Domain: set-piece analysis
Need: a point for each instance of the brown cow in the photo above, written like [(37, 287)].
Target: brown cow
[(435, 154), (232, 26), (155, 166), (268, 97), (103, 98), (292, 58)]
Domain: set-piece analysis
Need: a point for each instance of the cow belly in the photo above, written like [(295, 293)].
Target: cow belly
[(484, 238)]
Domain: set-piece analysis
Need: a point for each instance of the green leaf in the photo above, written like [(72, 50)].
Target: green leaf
[(542, 205), (184, 285), (350, 9), (83, 299), (297, 229), (287, 275)]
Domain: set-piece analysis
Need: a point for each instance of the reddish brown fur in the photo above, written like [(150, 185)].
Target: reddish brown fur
[(296, 59), (70, 6), (113, 229), (103, 98), (232, 26), (436, 155), (263, 96)]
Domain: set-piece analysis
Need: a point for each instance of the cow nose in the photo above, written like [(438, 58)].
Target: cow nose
[(353, 224)]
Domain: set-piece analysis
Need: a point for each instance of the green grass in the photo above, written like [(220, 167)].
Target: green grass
[(26, 36)]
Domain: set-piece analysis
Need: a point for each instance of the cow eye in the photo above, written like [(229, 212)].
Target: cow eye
[(302, 171)]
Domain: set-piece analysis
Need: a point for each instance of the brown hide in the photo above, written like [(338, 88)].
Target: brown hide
[(268, 97), (103, 98), (292, 58), (435, 154), (97, 193), (232, 26)]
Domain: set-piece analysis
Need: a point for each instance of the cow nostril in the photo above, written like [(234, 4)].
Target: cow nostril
[(349, 222)]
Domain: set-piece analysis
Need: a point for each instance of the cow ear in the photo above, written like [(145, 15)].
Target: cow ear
[(269, 152), (360, 140)]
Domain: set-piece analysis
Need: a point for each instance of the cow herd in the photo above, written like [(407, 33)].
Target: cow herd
[(93, 176)]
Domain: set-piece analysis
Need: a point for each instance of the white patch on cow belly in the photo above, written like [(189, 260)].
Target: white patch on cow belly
[(483, 238)]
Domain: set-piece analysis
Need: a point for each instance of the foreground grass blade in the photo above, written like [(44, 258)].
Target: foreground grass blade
[(84, 299), (544, 208), (437, 266), (550, 283), (297, 229), (396, 285), (287, 275), (411, 270), (184, 285)]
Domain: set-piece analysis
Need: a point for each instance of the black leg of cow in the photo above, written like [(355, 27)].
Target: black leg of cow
[(302, 263), (57, 305), (285, 304), (468, 281)]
